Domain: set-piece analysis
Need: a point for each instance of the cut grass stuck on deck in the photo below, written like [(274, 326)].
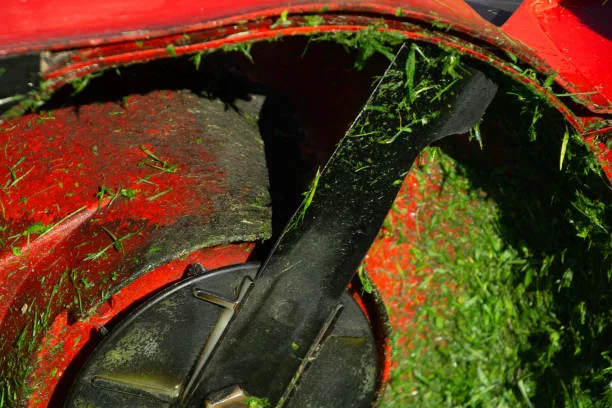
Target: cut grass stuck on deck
[(510, 292), (464, 345), (511, 288)]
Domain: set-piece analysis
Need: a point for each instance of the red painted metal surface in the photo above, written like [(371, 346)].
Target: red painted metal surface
[(40, 23), (573, 37), (536, 33), (67, 186), (91, 60), (96, 196)]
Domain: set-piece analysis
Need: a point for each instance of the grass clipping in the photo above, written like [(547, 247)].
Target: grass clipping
[(515, 313)]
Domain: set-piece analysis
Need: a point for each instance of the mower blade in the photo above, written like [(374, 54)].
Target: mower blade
[(298, 288)]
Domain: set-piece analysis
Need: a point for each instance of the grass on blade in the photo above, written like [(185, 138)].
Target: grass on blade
[(367, 285), (308, 196), (255, 402)]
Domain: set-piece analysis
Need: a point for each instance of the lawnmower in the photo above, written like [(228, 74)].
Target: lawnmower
[(188, 189)]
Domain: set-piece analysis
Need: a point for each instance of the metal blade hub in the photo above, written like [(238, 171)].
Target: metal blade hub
[(153, 356)]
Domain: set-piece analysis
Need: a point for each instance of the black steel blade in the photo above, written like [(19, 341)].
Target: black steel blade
[(296, 294)]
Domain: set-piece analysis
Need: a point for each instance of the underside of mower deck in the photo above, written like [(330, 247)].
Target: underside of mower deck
[(187, 201)]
